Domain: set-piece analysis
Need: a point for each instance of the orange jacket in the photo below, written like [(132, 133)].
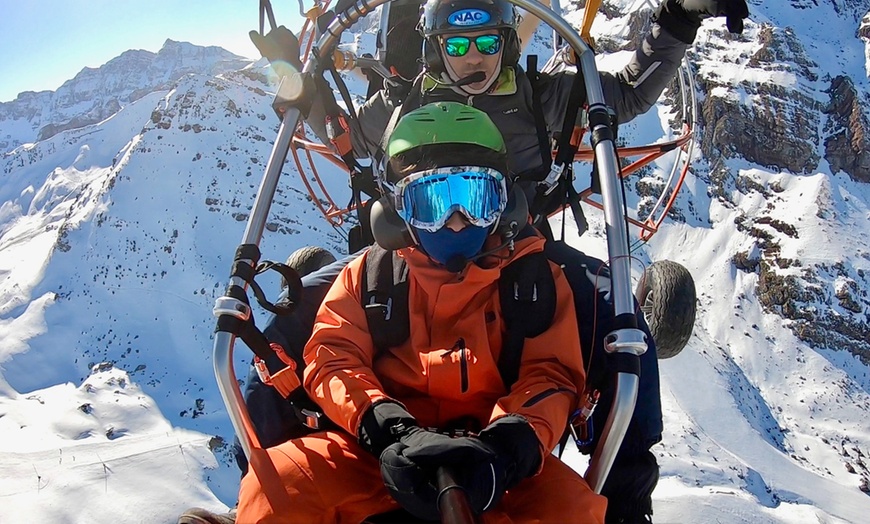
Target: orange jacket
[(431, 374)]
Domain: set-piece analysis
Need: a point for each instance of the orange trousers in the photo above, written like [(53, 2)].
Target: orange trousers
[(329, 478)]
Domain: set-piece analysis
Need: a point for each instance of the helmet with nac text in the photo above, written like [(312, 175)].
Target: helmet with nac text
[(444, 17)]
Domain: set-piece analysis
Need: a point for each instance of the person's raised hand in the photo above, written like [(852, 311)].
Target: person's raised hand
[(278, 45), (682, 18)]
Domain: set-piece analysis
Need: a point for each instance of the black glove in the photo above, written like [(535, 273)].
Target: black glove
[(381, 432), (682, 18), (517, 450), (410, 457), (485, 478), (279, 45), (409, 468), (504, 453), (384, 423)]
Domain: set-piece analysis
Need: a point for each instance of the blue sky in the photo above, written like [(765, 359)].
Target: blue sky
[(43, 43)]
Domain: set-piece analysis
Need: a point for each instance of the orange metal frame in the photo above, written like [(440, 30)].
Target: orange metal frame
[(648, 226)]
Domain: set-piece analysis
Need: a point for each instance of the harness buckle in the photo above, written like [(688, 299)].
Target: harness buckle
[(338, 132), (388, 307), (312, 418), (534, 297), (552, 179), (262, 371)]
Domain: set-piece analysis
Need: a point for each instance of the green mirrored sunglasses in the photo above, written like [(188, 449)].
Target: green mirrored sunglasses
[(459, 45)]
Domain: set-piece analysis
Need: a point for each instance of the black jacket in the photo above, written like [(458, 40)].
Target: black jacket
[(630, 92)]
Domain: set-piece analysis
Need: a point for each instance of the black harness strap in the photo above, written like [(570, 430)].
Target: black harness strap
[(246, 254), (556, 193), (527, 292), (573, 198), (244, 329), (565, 150), (534, 77), (385, 298)]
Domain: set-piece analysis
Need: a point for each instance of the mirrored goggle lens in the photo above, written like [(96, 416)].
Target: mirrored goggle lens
[(428, 201), (459, 45)]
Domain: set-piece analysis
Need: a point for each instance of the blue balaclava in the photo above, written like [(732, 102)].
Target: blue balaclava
[(451, 248)]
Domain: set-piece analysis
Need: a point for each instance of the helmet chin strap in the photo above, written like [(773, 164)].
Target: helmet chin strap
[(463, 89)]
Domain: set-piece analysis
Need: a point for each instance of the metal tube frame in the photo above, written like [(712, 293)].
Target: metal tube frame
[(626, 340)]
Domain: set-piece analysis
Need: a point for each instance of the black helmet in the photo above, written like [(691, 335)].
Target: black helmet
[(458, 16), (440, 17)]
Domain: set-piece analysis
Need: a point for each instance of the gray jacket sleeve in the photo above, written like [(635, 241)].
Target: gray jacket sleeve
[(632, 91), (373, 117), (636, 88)]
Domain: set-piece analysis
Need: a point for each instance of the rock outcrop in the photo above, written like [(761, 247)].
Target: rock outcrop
[(779, 128), (847, 146)]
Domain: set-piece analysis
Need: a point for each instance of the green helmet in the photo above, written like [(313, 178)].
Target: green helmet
[(442, 135), (445, 123)]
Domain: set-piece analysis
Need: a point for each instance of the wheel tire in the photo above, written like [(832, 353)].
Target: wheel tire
[(307, 260), (666, 294)]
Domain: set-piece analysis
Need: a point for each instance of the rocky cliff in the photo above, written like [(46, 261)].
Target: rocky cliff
[(798, 108)]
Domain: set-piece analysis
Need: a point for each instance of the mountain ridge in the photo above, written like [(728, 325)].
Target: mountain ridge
[(97, 93)]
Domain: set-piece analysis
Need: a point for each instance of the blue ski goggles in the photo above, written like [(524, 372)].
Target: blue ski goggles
[(427, 199)]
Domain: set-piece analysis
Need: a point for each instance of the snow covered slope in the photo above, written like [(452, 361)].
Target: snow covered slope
[(85, 453), (116, 237)]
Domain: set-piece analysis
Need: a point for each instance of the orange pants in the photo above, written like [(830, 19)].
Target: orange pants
[(330, 478)]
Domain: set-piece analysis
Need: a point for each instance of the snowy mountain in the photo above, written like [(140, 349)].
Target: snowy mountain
[(96, 94), (118, 227)]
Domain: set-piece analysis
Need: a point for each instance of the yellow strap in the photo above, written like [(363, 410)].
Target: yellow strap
[(589, 13), (313, 13)]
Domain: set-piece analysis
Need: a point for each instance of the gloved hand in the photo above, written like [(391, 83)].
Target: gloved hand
[(386, 430), (484, 475), (279, 45), (409, 467), (504, 453), (517, 455), (682, 18)]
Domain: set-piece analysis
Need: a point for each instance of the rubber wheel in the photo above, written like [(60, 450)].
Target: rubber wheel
[(307, 260), (666, 294)]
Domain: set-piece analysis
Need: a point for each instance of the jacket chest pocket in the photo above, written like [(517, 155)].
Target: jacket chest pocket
[(450, 372)]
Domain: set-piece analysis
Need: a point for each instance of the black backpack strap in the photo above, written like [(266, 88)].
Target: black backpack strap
[(556, 189), (589, 279), (385, 298), (538, 112), (527, 292)]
